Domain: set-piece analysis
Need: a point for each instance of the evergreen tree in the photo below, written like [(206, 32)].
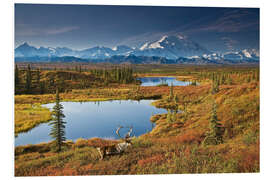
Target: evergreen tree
[(28, 79), (214, 135), (173, 116), (215, 86), (38, 76), (58, 124), (176, 99), (42, 87), (258, 75), (17, 79), (169, 116), (185, 111)]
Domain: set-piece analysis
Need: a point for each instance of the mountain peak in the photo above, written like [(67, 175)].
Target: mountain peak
[(172, 47), (25, 44)]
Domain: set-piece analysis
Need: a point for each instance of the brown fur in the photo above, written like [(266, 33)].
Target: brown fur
[(107, 150), (116, 148)]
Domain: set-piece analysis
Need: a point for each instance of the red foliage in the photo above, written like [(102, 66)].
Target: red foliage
[(190, 137), (177, 125), (151, 160), (249, 159)]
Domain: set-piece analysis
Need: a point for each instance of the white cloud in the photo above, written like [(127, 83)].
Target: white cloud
[(27, 30), (61, 30)]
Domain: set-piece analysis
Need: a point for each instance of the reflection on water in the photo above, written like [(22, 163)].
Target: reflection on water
[(96, 119)]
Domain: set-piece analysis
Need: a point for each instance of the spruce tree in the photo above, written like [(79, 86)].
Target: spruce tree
[(58, 124), (215, 86), (17, 79), (38, 76), (28, 79), (169, 116), (176, 99), (42, 87), (214, 136)]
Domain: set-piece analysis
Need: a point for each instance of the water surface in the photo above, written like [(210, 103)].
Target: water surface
[(96, 119), (154, 81)]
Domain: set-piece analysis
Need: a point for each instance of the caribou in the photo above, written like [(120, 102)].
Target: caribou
[(116, 148)]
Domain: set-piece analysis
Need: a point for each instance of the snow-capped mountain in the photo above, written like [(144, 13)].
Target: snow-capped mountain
[(167, 49), (213, 56), (242, 55), (96, 53), (123, 50), (172, 47), (26, 50), (62, 51)]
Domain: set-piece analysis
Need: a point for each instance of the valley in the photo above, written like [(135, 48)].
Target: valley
[(177, 142)]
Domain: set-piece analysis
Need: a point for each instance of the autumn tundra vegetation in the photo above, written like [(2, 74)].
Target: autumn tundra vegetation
[(211, 125)]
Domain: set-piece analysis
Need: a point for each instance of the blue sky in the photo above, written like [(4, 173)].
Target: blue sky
[(84, 26)]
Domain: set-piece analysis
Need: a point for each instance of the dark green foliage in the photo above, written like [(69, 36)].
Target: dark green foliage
[(185, 111), (215, 86), (123, 75), (60, 83), (58, 124), (193, 83), (231, 75), (17, 79), (28, 79), (42, 87), (173, 107), (176, 99), (44, 81), (214, 136), (171, 115), (38, 76)]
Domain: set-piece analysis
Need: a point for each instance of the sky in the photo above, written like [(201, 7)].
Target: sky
[(84, 26)]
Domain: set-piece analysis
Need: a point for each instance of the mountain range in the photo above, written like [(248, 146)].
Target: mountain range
[(166, 50)]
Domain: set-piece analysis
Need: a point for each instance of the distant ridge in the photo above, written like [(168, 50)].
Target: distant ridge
[(166, 50)]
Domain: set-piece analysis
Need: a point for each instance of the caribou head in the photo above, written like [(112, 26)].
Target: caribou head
[(116, 148)]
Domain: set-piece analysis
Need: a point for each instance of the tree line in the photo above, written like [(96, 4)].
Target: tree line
[(35, 81)]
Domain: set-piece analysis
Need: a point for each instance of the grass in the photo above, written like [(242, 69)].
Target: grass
[(171, 147), (28, 116), (148, 156)]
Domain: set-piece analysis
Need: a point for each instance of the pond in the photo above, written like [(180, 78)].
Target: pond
[(155, 81), (96, 119)]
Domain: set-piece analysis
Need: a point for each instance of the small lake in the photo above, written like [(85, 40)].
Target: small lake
[(154, 81), (96, 119)]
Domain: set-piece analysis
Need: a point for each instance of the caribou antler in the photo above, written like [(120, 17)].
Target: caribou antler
[(116, 148), (117, 131), (129, 133)]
